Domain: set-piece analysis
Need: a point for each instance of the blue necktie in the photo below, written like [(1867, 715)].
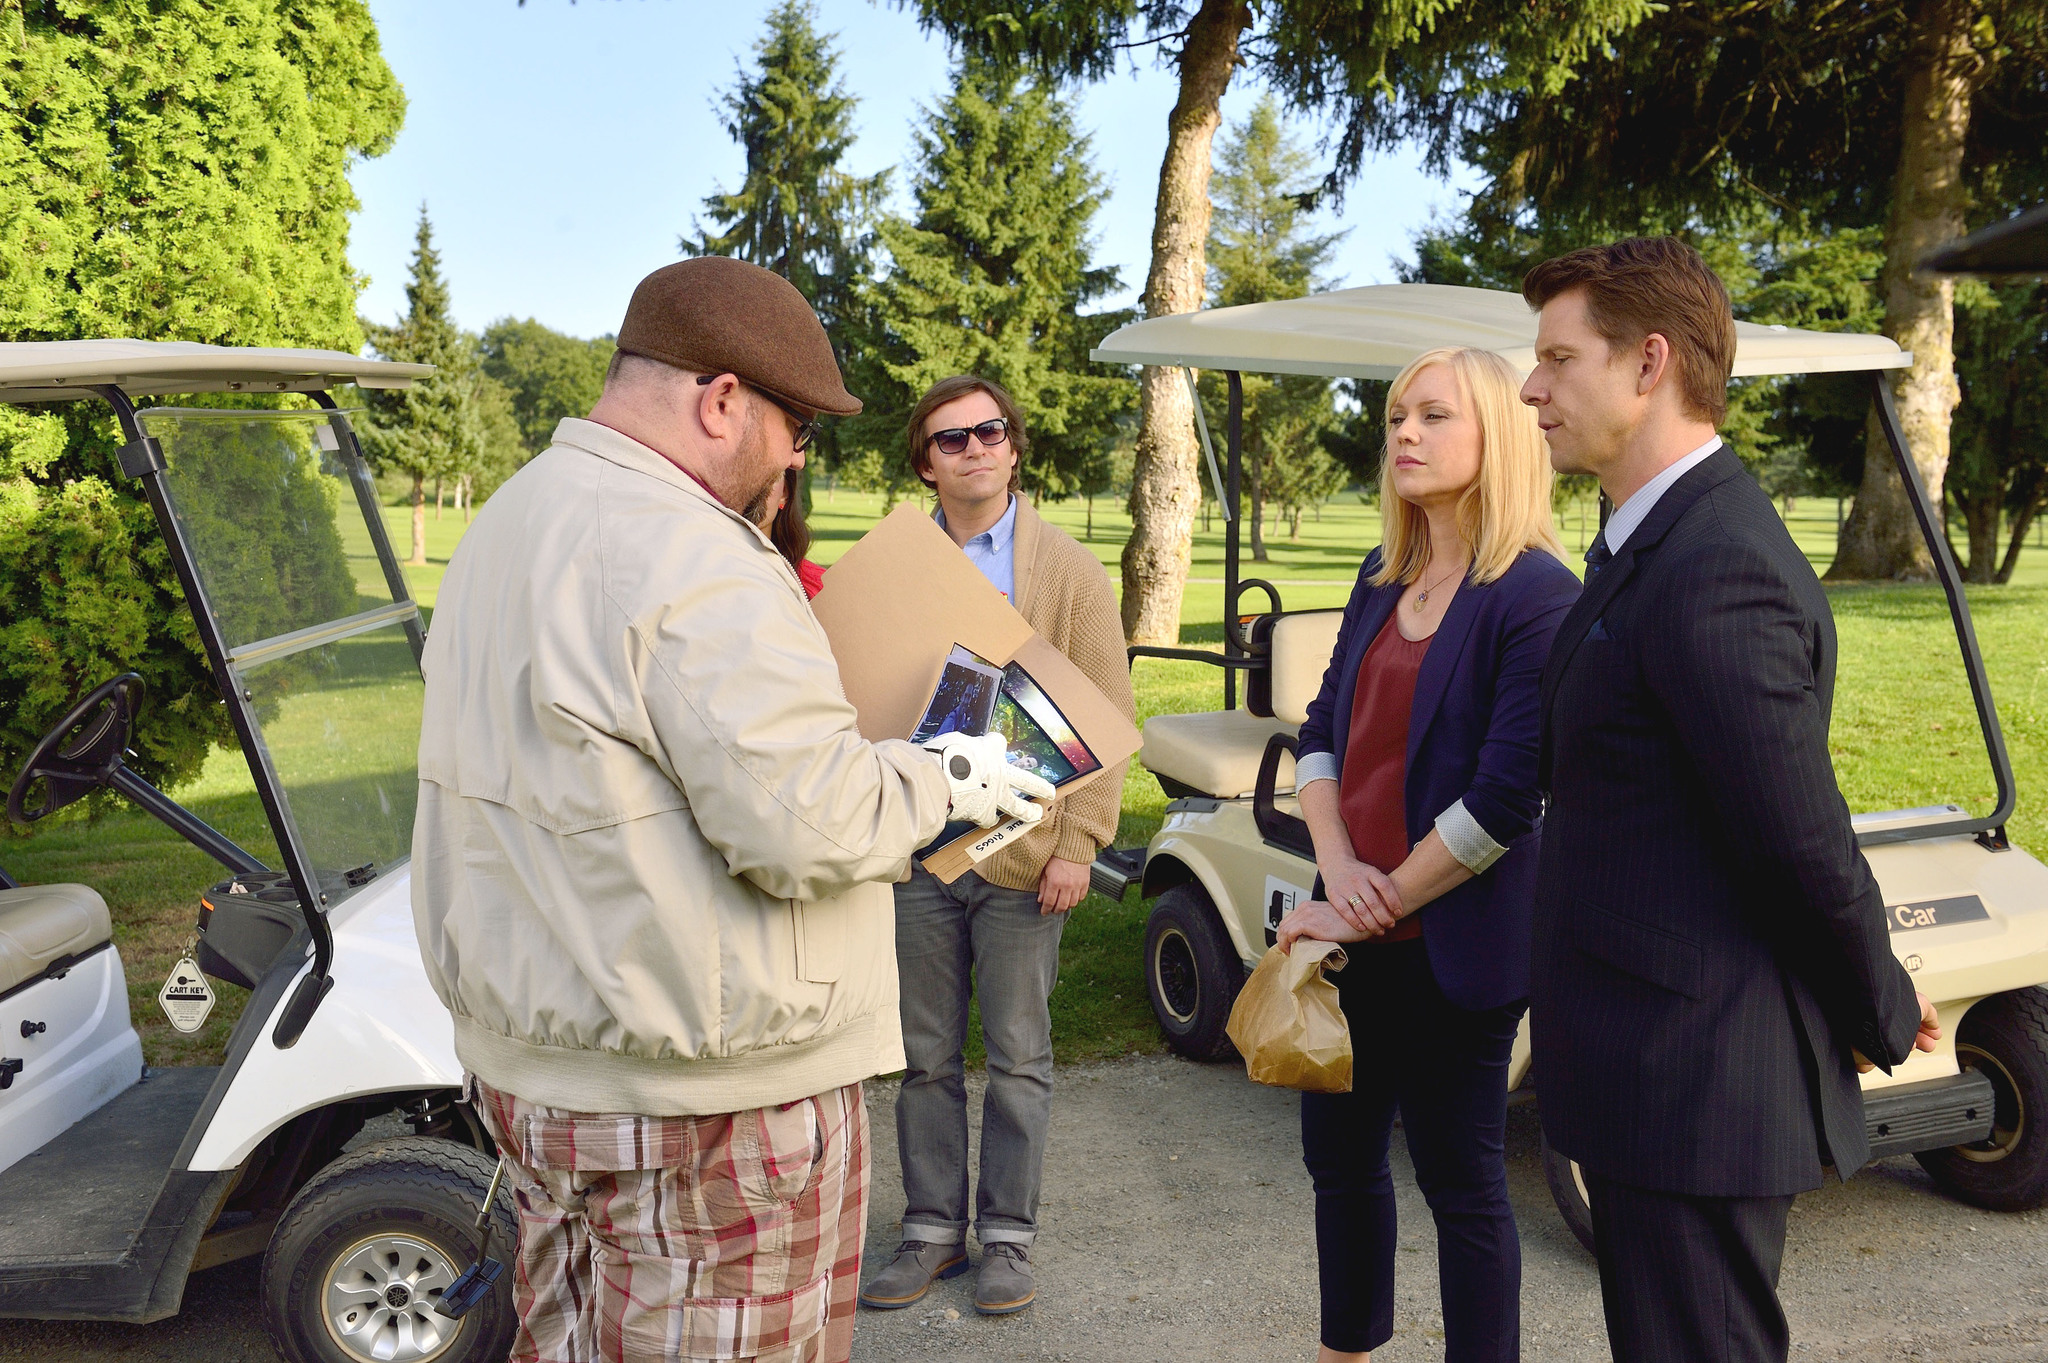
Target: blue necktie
[(1597, 556)]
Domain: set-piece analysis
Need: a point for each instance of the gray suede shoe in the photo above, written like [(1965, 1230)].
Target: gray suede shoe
[(911, 1273), (1005, 1282)]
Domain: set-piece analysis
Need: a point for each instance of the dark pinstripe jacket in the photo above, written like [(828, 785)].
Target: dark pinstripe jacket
[(1709, 942)]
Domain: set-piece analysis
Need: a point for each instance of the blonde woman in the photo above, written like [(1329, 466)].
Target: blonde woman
[(1417, 776)]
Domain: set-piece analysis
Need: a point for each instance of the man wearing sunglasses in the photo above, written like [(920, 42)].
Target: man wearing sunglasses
[(996, 930), (653, 853)]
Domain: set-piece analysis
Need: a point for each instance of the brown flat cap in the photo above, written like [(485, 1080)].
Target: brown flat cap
[(717, 315)]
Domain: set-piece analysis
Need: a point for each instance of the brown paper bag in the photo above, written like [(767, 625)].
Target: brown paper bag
[(1286, 1022)]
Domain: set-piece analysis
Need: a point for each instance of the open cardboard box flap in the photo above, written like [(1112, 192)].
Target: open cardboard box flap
[(893, 607)]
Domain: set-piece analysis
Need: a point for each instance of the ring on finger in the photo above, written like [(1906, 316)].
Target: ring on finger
[(1356, 902)]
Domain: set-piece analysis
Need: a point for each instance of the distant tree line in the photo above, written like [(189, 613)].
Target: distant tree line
[(490, 405)]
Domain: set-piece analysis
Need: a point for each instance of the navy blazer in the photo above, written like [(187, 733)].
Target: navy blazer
[(1473, 735)]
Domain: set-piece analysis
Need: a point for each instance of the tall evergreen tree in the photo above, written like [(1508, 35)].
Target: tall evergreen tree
[(796, 212), (1358, 63), (992, 277), (434, 428), (172, 173), (1258, 251)]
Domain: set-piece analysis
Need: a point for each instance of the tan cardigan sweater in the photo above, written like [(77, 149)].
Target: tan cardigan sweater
[(1064, 594)]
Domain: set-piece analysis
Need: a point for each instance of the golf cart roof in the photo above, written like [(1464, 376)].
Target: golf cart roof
[(53, 371), (2017, 246), (1373, 332)]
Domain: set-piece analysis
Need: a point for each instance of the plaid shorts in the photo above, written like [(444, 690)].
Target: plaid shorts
[(729, 1236)]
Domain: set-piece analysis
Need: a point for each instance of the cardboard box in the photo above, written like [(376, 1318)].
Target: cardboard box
[(895, 605)]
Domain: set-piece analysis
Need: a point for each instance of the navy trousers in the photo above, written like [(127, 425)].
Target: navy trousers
[(1444, 1069), (1690, 1279)]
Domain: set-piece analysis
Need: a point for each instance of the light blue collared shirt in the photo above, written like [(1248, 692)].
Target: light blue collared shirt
[(994, 550)]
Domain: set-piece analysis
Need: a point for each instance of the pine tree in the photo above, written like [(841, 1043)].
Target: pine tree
[(434, 428), (1258, 251), (991, 278), (796, 212)]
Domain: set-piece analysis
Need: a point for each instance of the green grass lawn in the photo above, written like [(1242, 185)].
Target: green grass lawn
[(1904, 734)]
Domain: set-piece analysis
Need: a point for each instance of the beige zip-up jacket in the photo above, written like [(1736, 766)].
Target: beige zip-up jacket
[(653, 855)]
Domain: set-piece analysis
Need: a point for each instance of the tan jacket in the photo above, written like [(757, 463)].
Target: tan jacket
[(653, 855), (1062, 591)]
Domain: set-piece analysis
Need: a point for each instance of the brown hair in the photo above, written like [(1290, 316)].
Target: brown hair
[(1651, 285), (959, 386), (787, 530)]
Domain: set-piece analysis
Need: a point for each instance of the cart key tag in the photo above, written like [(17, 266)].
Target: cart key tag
[(186, 996)]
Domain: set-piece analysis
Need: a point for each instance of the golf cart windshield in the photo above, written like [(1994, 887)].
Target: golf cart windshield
[(319, 633)]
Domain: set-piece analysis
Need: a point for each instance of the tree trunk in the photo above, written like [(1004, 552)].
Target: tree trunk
[(437, 499), (1880, 540), (1980, 518), (465, 492), (1294, 523), (419, 522), (1091, 518), (1165, 475), (2022, 521)]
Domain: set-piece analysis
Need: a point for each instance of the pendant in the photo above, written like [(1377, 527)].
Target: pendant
[(1421, 600)]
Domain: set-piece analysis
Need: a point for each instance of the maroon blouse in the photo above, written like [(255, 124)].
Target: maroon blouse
[(1372, 793)]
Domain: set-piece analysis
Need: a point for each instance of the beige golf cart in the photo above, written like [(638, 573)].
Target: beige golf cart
[(1968, 911)]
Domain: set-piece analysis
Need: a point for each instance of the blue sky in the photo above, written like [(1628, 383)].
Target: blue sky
[(561, 149)]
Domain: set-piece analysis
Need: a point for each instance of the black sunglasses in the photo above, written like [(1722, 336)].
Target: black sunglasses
[(806, 429), (990, 433)]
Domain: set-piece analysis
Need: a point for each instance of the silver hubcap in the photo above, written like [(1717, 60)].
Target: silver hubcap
[(380, 1300), (2009, 1114)]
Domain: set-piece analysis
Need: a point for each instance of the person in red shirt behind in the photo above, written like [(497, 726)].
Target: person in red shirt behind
[(1417, 778), (787, 530)]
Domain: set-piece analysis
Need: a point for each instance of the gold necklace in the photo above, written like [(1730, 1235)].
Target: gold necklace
[(1422, 597)]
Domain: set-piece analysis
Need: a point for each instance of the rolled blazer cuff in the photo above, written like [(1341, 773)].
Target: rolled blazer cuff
[(1316, 766), (1471, 844)]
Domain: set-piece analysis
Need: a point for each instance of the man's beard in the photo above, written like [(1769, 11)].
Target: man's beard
[(753, 453)]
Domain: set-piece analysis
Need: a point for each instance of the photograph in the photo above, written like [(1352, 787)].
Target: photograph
[(963, 700)]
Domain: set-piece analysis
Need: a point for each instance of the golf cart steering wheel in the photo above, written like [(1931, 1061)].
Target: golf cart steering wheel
[(81, 752)]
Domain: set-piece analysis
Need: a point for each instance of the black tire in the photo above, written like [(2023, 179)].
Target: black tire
[(2005, 1039), (1568, 1191), (1192, 972), (402, 1214)]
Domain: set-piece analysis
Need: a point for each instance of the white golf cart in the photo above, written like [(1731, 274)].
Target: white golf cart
[(1969, 912), (116, 1181)]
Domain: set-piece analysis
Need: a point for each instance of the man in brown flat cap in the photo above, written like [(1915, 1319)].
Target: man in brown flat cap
[(653, 854)]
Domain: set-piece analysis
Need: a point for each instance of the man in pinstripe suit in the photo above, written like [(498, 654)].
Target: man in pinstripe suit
[(1711, 964)]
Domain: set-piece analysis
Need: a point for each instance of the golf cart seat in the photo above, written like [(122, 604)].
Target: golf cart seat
[(44, 925), (1218, 752)]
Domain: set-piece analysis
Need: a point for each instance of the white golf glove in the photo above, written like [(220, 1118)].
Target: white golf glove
[(986, 788)]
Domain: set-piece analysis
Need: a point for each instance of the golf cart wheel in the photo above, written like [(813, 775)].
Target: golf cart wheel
[(1192, 972), (2005, 1039), (1568, 1191), (366, 1249)]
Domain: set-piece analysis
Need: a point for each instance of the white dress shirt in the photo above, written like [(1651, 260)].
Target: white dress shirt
[(1624, 519)]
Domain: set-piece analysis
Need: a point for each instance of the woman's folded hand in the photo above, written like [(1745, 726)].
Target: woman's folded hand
[(1319, 921), (1362, 895)]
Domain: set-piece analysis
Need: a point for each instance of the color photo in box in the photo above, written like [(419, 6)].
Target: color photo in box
[(1040, 738), (964, 699)]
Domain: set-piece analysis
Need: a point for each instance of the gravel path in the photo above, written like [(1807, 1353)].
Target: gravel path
[(1176, 1227)]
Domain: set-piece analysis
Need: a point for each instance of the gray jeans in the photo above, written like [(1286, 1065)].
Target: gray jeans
[(1013, 951)]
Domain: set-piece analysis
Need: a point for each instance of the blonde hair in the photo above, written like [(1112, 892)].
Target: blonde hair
[(1507, 507)]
